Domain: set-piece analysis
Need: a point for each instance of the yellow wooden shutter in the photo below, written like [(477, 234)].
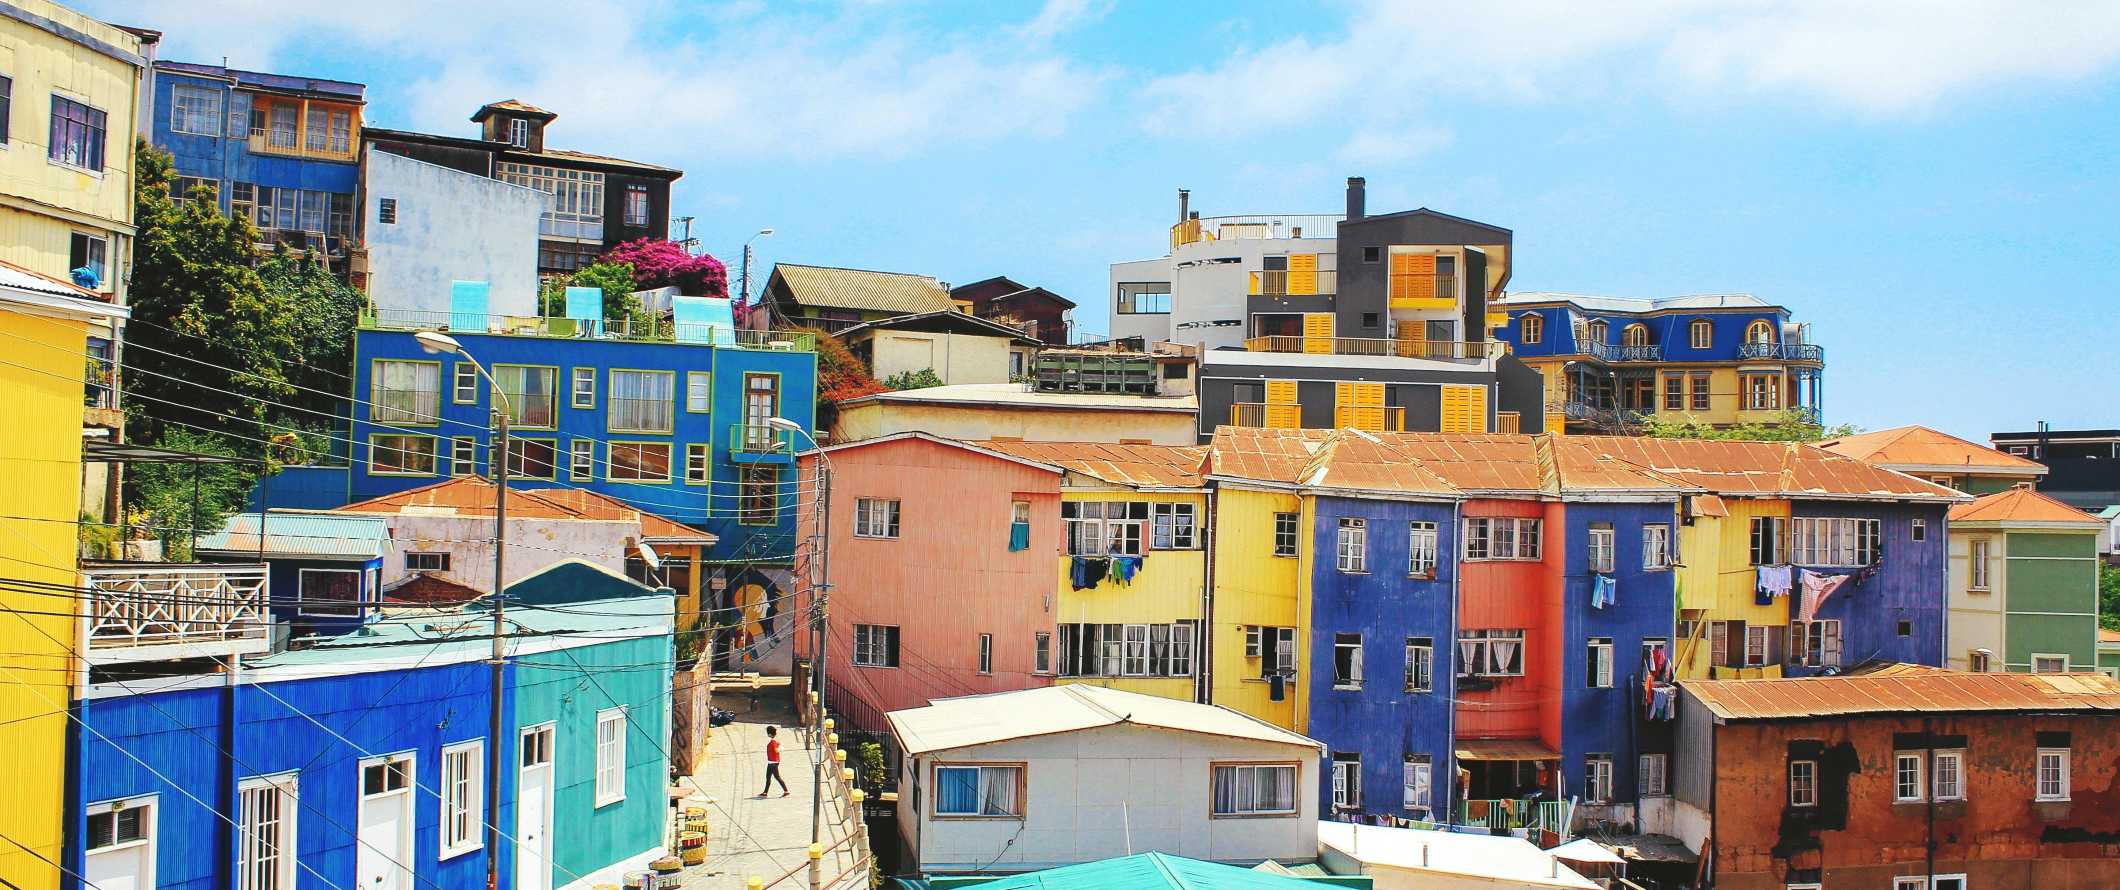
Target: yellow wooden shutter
[(1317, 333), (1283, 410), (1412, 337), (1464, 409), (1359, 405), (1302, 273), (1409, 271)]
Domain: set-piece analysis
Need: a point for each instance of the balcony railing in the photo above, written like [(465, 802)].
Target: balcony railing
[(1275, 283), (1445, 350), (1423, 291), (1650, 353), (1596, 349), (1388, 419), (1788, 352), (760, 439), (656, 330), (152, 611), (1269, 225), (1547, 815)]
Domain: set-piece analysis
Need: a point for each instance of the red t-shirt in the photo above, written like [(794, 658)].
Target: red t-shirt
[(772, 750)]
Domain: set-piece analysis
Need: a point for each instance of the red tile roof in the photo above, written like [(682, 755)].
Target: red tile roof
[(2022, 505), (1893, 692), (429, 589)]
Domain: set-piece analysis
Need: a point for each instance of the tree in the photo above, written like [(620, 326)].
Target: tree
[(321, 313), (614, 279), (660, 263), (841, 376), (2109, 597), (174, 501), (1790, 426)]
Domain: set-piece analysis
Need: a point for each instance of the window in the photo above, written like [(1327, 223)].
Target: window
[(1127, 650), (698, 466), (1134, 651), (1420, 664), (426, 562), (1654, 650), (1352, 546), (1634, 335), (1649, 775), (76, 134), (1099, 528), (1597, 332), (329, 592), (1803, 783), (610, 756), (533, 458), (758, 496), (265, 811), (699, 392), (1656, 546), (387, 775), (636, 205), (463, 456), (1346, 780), (1420, 549), (1700, 334), (1906, 776), (1372, 254), (519, 132), (1770, 544), (1762, 392), (1700, 391), (640, 401), (576, 208), (123, 824), (1491, 653), (2049, 664), (461, 788), (405, 392), (1978, 566), (530, 394), (1346, 661), (1143, 298), (195, 110), (1255, 789), (1502, 538), (986, 653), (1597, 778), (1597, 672), (463, 385), (639, 461), (1042, 653), (1817, 642), (876, 645), (2052, 774), (581, 459), (386, 211), (1284, 534), (395, 455), (1531, 328), (1419, 791), (7, 107), (90, 252), (1836, 542), (1600, 541), (875, 518), (1759, 332), (1755, 645), (582, 388), (1674, 392), (979, 791), (1979, 661), (1948, 783), (1919, 530), (1173, 527), (243, 200)]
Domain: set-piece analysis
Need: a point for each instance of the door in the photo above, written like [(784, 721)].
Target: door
[(533, 819), (121, 845), (1441, 340), (383, 857), (761, 402), (1317, 333)]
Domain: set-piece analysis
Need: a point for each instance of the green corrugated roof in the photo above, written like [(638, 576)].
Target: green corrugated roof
[(1149, 871), (325, 535)]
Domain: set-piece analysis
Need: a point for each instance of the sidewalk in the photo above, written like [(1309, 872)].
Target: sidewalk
[(750, 836)]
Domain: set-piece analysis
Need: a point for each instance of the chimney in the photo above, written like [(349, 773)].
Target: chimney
[(1184, 204), (1357, 197)]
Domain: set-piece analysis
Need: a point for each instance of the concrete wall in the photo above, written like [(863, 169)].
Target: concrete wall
[(1149, 328), (1095, 794), (450, 226), (533, 545), (1206, 288), (956, 358), (975, 422)]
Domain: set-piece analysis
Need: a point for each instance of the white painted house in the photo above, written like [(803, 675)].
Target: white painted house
[(427, 226), (1017, 781)]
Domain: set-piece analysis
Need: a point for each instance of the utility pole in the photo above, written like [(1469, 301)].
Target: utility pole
[(498, 458), (687, 241), (823, 596)]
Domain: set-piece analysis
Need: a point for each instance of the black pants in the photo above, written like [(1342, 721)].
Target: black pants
[(772, 776)]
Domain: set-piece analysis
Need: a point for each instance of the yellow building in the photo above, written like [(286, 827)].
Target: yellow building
[(1263, 588)]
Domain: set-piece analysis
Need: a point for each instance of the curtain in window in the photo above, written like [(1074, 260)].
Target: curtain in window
[(958, 790), (999, 797), (1471, 657), (1505, 655), (1273, 788), (1228, 787)]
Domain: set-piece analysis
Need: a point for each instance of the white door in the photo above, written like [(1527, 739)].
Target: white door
[(121, 845), (384, 856), (533, 819)]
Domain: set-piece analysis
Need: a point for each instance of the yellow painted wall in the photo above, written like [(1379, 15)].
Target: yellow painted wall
[(1718, 577), (45, 201), (1976, 618), (974, 422), (40, 457), (1306, 561), (956, 358), (1252, 587), (1166, 590)]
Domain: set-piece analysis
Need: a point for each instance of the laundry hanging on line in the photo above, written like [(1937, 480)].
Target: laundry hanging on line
[(1088, 571), (1817, 588), (1604, 591), (1774, 581)]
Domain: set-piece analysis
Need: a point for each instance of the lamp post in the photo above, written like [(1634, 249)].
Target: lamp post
[(497, 458), (744, 275), (821, 630)]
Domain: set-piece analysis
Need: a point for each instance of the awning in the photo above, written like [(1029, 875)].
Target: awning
[(1707, 505), (1504, 749)]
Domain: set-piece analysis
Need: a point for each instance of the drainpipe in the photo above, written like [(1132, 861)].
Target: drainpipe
[(1203, 649)]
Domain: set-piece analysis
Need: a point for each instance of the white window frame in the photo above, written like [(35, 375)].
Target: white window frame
[(1652, 775), (699, 463), (1246, 802), (1600, 540), (1979, 553), (460, 820), (1835, 542), (253, 845), (699, 392), (1503, 538), (1346, 780), (1597, 778), (1418, 782), (988, 773), (1902, 763), (876, 518), (873, 644), (1803, 783), (438, 563), (1168, 532), (986, 653), (1287, 527), (2050, 658), (1656, 547), (1041, 653), (581, 388), (1182, 645), (1351, 545), (581, 459), (1477, 655), (1422, 540), (1918, 529), (1755, 645), (181, 96), (1597, 668), (150, 830), (1949, 763), (463, 384), (518, 132), (2060, 785), (1420, 664), (610, 757), (1353, 678), (360, 596)]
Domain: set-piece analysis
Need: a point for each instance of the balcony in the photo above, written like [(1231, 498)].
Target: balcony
[(1299, 283), (1438, 350), (1376, 419), (657, 330), (153, 611), (1650, 353), (1266, 415), (1424, 292), (1270, 225), (1788, 352), (758, 443)]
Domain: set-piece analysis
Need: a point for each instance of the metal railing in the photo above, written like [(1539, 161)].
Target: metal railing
[(1596, 349), (1447, 350), (1788, 352), (655, 330), (1258, 225), (209, 609), (1514, 815), (1423, 287), (759, 438), (1390, 419), (1649, 353), (1274, 283)]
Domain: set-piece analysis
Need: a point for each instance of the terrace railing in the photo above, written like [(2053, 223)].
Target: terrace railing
[(149, 611), (653, 330)]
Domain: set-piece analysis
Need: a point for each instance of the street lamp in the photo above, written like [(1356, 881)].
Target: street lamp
[(745, 274), (437, 343), (821, 629)]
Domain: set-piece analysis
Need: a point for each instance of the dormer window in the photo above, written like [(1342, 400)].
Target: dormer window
[(519, 133)]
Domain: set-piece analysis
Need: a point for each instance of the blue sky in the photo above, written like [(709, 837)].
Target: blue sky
[(1932, 185)]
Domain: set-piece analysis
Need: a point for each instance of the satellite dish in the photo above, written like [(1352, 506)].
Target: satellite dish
[(647, 555)]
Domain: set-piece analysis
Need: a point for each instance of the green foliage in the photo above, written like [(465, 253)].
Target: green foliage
[(1790, 426), (320, 313), (921, 379), (2109, 597), (873, 773), (616, 280), (173, 499), (98, 541)]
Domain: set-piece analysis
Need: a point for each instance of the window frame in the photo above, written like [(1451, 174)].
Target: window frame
[(1484, 542), (758, 495), (1656, 547), (2038, 657), (1700, 334), (1417, 782), (986, 653), (1423, 548), (581, 459), (1597, 663), (519, 402), (1042, 653), (460, 799), (1167, 532), (1661, 771), (1215, 808), (1351, 545), (1288, 530), (1346, 780), (1803, 783), (94, 131), (1956, 758), (432, 453), (1531, 329), (178, 93), (640, 379), (867, 524), (517, 460), (439, 564), (1601, 542), (699, 463), (701, 385), (352, 610), (616, 748), (425, 406), (1901, 782), (1979, 563), (627, 214), (581, 388), (280, 873), (880, 653), (1349, 677), (1021, 772), (1420, 664), (1597, 778), (2039, 784)]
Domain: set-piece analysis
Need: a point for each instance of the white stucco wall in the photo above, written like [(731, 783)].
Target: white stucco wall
[(1210, 285), (956, 358), (533, 544), (1148, 327), (1094, 794), (451, 226)]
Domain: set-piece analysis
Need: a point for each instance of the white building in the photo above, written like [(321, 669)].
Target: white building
[(1018, 781), (426, 226), (1201, 294), (1419, 859)]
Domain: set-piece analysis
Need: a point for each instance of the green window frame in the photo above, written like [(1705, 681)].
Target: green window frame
[(636, 461), (699, 392), (699, 467), (758, 495), (408, 448), (582, 388), (521, 455), (533, 398), (463, 387), (401, 394), (463, 456), (639, 401), (581, 460)]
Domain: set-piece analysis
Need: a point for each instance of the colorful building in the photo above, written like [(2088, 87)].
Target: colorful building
[(325, 572), (2083, 466), (1074, 395), (1608, 363), (1940, 458), (2024, 585)]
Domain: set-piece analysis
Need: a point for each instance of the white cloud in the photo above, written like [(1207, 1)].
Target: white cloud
[(1058, 17)]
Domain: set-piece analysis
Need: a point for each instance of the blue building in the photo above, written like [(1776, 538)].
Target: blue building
[(1716, 359), (1613, 750), (324, 572), (1891, 608), (361, 761), (280, 149)]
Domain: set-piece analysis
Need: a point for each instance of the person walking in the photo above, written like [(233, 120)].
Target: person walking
[(773, 763)]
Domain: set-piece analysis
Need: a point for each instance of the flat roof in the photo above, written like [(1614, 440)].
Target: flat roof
[(1017, 395), (1495, 858), (948, 724)]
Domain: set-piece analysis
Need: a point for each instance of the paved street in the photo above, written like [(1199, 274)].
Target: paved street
[(751, 836)]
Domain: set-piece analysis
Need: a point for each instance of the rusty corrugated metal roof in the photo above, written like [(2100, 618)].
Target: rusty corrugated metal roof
[(1265, 455), (1504, 749), (473, 495), (899, 293), (2022, 505), (1919, 446), (1766, 469), (1132, 465), (1430, 463), (1905, 691)]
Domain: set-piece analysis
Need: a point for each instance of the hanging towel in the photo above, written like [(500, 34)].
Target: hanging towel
[(1773, 581), (1125, 568), (1817, 588), (1019, 536)]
